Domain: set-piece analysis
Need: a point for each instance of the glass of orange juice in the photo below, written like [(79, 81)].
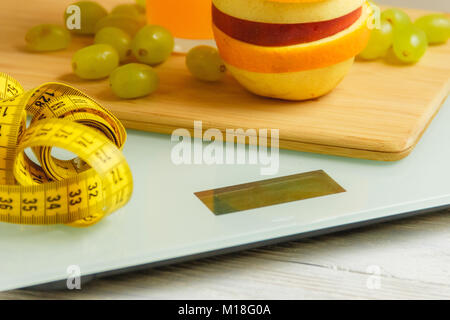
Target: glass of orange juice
[(188, 20)]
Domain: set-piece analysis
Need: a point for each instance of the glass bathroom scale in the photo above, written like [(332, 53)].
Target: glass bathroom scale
[(184, 212)]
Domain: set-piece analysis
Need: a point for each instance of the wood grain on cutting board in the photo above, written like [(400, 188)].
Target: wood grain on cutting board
[(378, 112)]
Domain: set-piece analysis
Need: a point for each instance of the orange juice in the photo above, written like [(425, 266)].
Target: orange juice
[(188, 20)]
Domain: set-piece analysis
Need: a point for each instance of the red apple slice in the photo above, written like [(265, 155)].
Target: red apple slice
[(279, 35)]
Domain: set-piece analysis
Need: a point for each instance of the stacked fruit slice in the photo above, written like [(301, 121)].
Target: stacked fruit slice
[(290, 49)]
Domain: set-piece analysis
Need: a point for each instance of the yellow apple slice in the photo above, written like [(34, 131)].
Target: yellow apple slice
[(285, 12), (302, 85)]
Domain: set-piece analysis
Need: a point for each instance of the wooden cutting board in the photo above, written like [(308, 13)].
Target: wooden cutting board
[(378, 112)]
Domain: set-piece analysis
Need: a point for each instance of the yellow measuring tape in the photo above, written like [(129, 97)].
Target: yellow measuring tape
[(77, 192)]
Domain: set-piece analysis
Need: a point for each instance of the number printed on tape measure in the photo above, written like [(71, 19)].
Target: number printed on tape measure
[(77, 192)]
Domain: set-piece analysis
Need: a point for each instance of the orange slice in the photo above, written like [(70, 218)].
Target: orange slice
[(284, 12), (313, 55)]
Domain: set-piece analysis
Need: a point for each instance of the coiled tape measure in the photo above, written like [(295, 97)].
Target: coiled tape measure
[(77, 192)]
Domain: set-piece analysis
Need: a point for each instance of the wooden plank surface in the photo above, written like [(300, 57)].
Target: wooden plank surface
[(407, 259), (378, 112)]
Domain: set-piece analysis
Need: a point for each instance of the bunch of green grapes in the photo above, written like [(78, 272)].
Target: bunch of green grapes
[(407, 40), (120, 37)]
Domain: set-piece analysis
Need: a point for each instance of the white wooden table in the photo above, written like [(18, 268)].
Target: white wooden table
[(399, 260)]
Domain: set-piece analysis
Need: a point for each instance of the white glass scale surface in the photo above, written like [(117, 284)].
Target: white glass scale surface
[(166, 223)]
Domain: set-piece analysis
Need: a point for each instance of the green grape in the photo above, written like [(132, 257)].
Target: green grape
[(95, 62), (133, 80), (436, 26), (47, 37), (129, 24), (205, 63), (410, 44), (134, 10), (153, 44), (379, 43), (396, 17), (116, 38), (141, 3), (91, 12)]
